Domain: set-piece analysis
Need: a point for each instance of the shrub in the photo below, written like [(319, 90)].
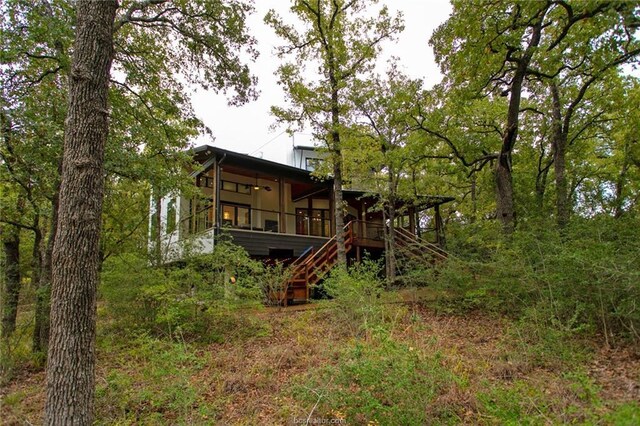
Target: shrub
[(379, 382), (585, 280), (194, 300), (359, 300)]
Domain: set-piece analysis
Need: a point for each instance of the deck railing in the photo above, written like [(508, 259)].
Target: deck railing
[(261, 220)]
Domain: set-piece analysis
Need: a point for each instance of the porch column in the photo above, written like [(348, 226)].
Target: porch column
[(331, 212), (412, 219), (360, 219), (440, 239), (283, 206), (217, 185), (214, 196)]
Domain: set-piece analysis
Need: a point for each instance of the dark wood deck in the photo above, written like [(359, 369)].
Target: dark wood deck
[(258, 243)]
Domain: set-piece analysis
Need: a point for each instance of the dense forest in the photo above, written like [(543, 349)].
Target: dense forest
[(533, 317)]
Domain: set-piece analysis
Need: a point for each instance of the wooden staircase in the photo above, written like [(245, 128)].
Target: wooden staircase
[(309, 269), (409, 245)]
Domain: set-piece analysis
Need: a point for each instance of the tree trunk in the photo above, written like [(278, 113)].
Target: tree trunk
[(620, 183), (43, 292), (337, 167), (559, 159), (337, 210), (36, 277), (541, 185), (474, 198), (11, 293), (441, 239), (390, 242), (71, 355), (505, 208), (157, 250), (390, 231)]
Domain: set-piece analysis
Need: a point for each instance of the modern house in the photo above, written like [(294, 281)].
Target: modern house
[(277, 211)]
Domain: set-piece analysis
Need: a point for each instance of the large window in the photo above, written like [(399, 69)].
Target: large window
[(236, 215), (316, 222)]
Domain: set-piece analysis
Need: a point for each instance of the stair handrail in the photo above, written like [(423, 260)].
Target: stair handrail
[(434, 249), (304, 267), (303, 256)]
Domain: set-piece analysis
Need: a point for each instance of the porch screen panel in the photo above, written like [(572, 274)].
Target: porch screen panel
[(243, 217), (302, 221)]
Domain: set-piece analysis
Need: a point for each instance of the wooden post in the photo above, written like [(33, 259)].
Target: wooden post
[(283, 206), (412, 220), (332, 228), (440, 240)]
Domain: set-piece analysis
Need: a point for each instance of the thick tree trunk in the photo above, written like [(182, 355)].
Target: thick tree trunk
[(559, 160), (338, 211), (505, 208), (71, 356), (337, 168), (11, 291)]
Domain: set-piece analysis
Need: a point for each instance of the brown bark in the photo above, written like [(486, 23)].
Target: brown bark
[(505, 208), (620, 184), (541, 180), (390, 255), (157, 249), (390, 231), (559, 159), (11, 291), (440, 235), (338, 211), (474, 198), (43, 293), (36, 277), (337, 165), (75, 258)]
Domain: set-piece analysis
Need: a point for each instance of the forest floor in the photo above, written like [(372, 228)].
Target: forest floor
[(404, 363)]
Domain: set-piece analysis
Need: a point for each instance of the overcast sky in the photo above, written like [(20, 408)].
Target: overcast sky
[(247, 130)]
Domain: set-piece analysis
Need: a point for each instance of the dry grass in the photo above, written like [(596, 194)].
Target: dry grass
[(253, 380)]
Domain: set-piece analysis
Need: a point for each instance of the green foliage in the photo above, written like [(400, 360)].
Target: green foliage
[(583, 281), (379, 381), (153, 383), (624, 415), (359, 300), (197, 300), (527, 402)]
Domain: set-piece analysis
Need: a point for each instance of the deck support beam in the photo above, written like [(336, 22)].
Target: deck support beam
[(282, 206)]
